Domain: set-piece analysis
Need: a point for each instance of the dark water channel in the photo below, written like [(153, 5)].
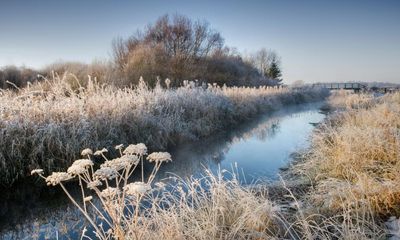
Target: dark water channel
[(258, 149)]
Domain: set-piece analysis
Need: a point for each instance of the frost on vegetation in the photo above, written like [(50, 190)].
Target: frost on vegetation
[(61, 116), (121, 162), (105, 173), (100, 152), (86, 152), (137, 188), (159, 157), (110, 192), (110, 183), (352, 188), (139, 149), (57, 177), (37, 171)]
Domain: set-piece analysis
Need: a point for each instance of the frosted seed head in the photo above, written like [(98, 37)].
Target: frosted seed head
[(159, 157), (79, 166), (121, 163), (76, 170), (105, 173), (119, 147), (37, 171), (86, 152), (138, 149), (99, 152), (83, 163), (57, 177)]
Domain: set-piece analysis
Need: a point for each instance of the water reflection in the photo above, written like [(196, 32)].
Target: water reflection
[(259, 147)]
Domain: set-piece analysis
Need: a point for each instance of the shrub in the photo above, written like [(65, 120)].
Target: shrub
[(12, 77)]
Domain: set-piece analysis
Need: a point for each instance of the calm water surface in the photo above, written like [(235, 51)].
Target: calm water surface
[(258, 149)]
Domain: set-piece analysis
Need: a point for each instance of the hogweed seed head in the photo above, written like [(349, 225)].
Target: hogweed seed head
[(57, 177), (138, 149), (79, 166), (99, 152), (86, 152), (105, 173), (122, 162), (83, 163), (159, 157), (131, 159), (76, 170)]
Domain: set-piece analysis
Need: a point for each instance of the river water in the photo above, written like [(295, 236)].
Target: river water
[(257, 149)]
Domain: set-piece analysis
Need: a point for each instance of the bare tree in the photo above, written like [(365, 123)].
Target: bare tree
[(178, 48), (263, 60), (177, 42)]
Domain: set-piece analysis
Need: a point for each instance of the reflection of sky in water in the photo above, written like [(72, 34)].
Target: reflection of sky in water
[(260, 147), (262, 157)]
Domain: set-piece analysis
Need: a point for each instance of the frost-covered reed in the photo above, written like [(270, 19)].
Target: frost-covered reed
[(46, 124), (353, 164), (206, 208), (120, 201), (212, 207)]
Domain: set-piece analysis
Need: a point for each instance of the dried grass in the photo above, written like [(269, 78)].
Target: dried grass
[(354, 161)]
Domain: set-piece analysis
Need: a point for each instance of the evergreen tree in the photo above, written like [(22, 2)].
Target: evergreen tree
[(274, 72)]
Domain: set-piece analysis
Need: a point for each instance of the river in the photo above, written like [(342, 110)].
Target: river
[(257, 149)]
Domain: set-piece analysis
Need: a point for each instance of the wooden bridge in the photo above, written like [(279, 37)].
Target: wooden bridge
[(356, 87)]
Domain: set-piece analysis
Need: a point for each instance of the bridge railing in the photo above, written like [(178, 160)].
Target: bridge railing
[(351, 86)]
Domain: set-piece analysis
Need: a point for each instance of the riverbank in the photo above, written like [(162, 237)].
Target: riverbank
[(351, 171), (47, 124)]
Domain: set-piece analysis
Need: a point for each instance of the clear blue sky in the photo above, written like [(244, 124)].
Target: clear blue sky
[(318, 40)]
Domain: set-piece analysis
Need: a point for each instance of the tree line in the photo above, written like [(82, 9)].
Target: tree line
[(174, 47)]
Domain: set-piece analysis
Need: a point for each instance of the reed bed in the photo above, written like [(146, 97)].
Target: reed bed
[(47, 123)]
